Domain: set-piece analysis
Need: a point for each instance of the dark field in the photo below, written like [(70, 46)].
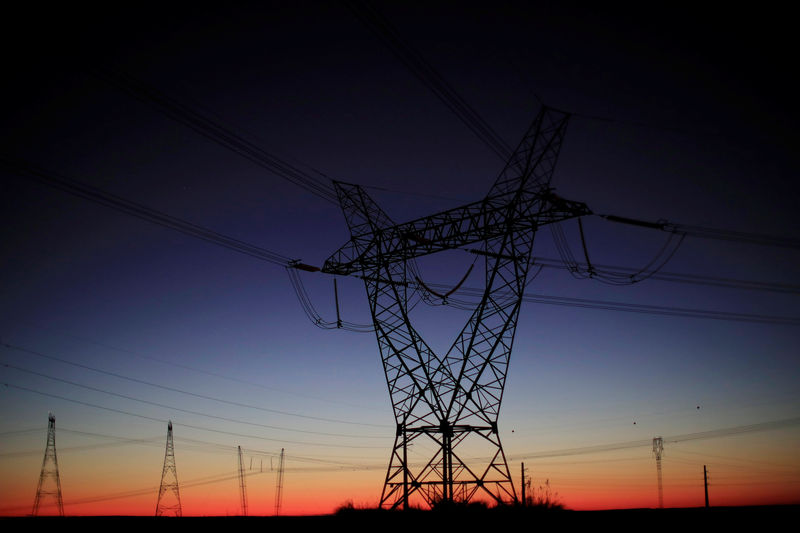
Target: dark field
[(767, 518)]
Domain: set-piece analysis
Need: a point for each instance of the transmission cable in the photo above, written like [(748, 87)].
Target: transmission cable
[(634, 308), (187, 411), (29, 171), (587, 270), (701, 435), (188, 393), (311, 313), (627, 272), (218, 133), (429, 76), (177, 423), (710, 233)]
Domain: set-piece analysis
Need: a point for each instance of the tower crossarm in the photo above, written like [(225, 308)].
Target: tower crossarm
[(454, 228)]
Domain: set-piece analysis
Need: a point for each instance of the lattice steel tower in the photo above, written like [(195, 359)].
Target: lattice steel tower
[(279, 486), (169, 496), (453, 400), (49, 479), (658, 451), (242, 485)]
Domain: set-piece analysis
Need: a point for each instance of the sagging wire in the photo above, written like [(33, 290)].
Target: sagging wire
[(612, 277), (426, 290), (564, 251), (663, 257), (311, 312), (437, 289)]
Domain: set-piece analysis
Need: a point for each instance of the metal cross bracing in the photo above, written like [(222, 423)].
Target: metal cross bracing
[(49, 478), (169, 495), (242, 484), (453, 399)]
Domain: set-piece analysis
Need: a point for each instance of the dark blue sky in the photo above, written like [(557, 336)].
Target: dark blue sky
[(680, 114)]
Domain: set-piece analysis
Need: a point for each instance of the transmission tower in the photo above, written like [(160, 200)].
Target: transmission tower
[(169, 496), (279, 487), (49, 479), (453, 400), (658, 450), (242, 487)]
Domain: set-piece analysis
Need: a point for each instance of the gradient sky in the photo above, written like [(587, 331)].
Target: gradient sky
[(682, 115)]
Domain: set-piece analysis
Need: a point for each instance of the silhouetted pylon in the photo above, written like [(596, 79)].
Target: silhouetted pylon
[(49, 475), (242, 486), (658, 450), (169, 496), (451, 400), (279, 487)]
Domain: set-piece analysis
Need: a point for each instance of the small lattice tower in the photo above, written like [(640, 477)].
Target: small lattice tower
[(242, 486), (279, 486), (49, 479), (169, 496), (658, 450)]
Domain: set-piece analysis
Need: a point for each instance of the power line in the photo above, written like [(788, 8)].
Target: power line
[(701, 435), (217, 133), (192, 426), (51, 179), (83, 448), (417, 64), (661, 310), (197, 482), (626, 272), (126, 206), (429, 76), (606, 305), (140, 211), (710, 233), (184, 366), (188, 411), (180, 391)]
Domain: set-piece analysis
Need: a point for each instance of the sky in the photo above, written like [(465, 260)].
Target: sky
[(117, 325)]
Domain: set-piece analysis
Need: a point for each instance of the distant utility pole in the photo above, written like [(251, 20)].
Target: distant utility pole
[(279, 487), (49, 471), (658, 449), (242, 487), (169, 496), (705, 483), (522, 472)]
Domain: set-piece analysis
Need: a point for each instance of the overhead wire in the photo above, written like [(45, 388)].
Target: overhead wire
[(179, 423), (115, 202), (206, 480), (714, 281), (86, 447), (219, 375), (426, 73), (588, 270), (661, 310), (429, 76), (182, 410), (710, 233), (218, 133), (633, 308), (30, 171), (185, 392), (700, 435), (311, 313)]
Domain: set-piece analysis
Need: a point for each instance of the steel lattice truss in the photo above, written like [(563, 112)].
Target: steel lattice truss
[(49, 478), (169, 495), (454, 398)]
